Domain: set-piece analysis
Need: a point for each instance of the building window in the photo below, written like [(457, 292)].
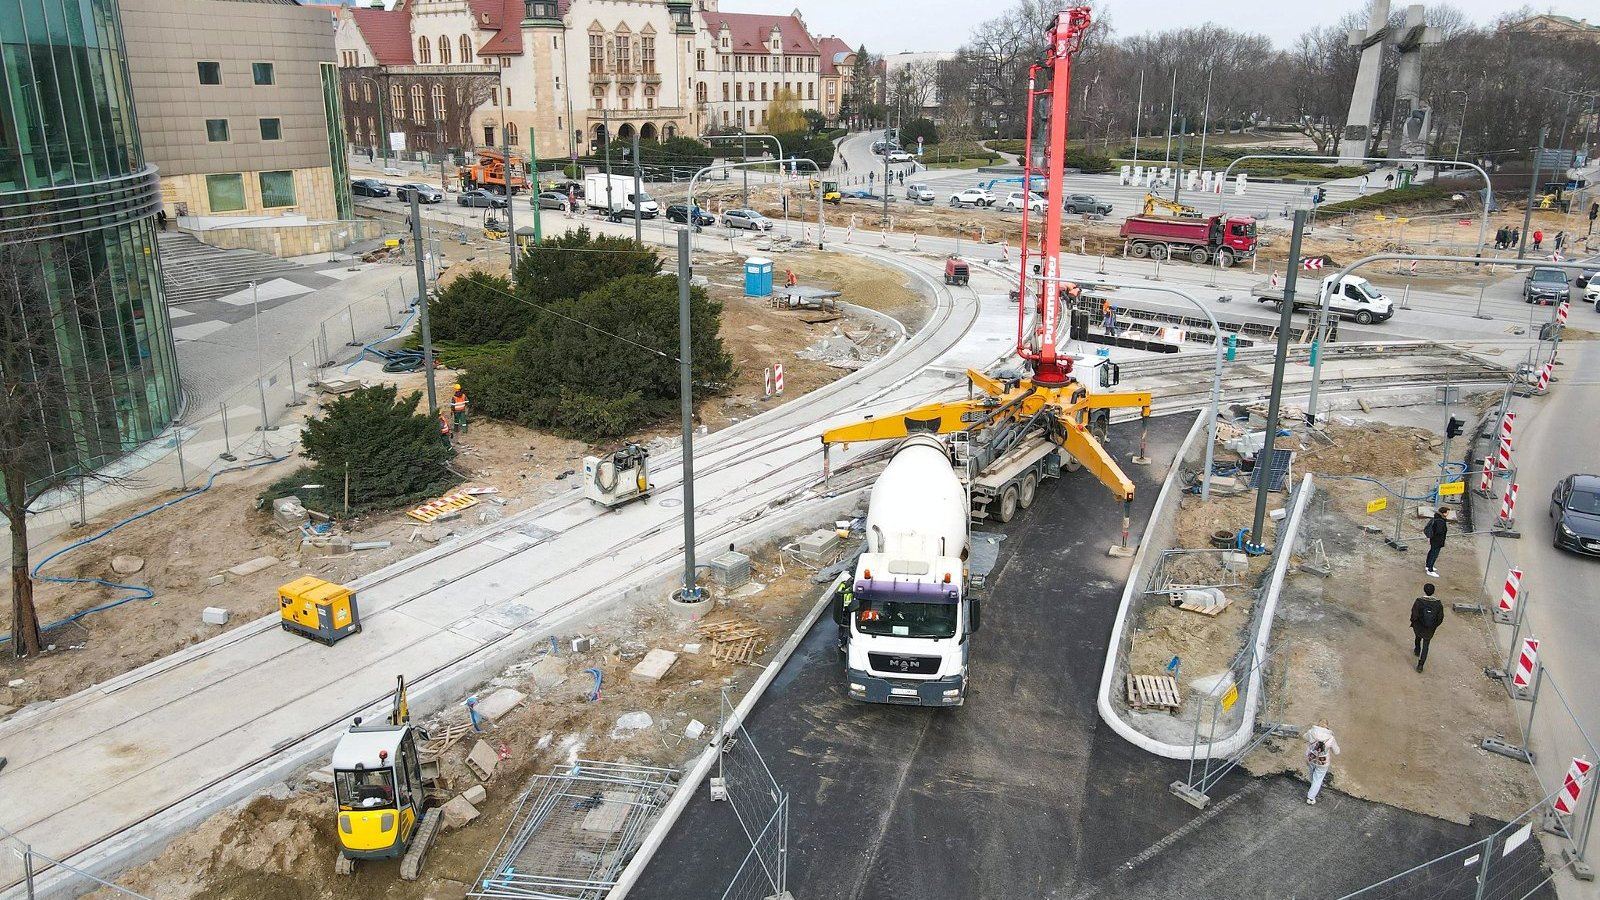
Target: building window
[(397, 99), (488, 135), (626, 96), (833, 87), (210, 72), (225, 193), (740, 118), (597, 53), (763, 63), (444, 50), (649, 98), (738, 91), (647, 55), (505, 62), (352, 92), (724, 92), (466, 50), (763, 90), (542, 9), (216, 130), (277, 189), (438, 101), (811, 90), (624, 51), (508, 97), (738, 64), (725, 125), (700, 93), (599, 101), (262, 73), (424, 50), (763, 117), (511, 133), (724, 63), (271, 129), (699, 60), (372, 129), (366, 91), (416, 103), (558, 84)]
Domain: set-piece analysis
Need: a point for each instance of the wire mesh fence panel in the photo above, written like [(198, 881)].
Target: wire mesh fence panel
[(761, 873), (761, 806), (42, 875)]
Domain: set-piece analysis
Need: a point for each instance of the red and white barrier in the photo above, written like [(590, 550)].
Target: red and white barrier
[(1572, 787), (777, 380), (1274, 279), (766, 382), (1508, 504), (1005, 252), (1561, 312), (1544, 378), (1509, 593), (1486, 484), (1507, 425), (1503, 455), (1413, 267), (1527, 661)]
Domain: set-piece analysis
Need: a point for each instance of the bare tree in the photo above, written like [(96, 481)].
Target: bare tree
[(58, 416)]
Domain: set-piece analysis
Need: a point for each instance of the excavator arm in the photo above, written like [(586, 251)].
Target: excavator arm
[(1182, 211)]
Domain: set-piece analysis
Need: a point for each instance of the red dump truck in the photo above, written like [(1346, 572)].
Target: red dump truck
[(1220, 239)]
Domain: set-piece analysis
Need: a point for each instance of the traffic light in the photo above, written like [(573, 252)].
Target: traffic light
[(1321, 197), (1452, 428)]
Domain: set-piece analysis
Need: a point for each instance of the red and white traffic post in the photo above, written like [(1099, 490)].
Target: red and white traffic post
[(1526, 672), (1505, 611), (777, 380), (1507, 520), (766, 383)]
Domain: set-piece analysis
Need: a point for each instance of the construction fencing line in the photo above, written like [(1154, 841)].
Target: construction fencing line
[(28, 855)]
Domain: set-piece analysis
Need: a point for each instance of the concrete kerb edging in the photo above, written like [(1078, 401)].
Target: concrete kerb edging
[(1166, 503), (427, 695), (702, 765)]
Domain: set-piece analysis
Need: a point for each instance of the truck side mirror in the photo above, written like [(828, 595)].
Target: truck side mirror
[(975, 608), (838, 608)]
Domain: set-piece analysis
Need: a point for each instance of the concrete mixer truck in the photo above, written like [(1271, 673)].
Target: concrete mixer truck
[(906, 614)]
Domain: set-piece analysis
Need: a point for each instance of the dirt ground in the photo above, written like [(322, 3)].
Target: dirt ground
[(1409, 739), (525, 466), (281, 845)]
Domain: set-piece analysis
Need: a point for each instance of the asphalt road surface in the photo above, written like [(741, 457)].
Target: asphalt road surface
[(1023, 793)]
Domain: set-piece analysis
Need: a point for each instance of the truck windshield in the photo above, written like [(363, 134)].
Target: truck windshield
[(364, 788), (1366, 290), (1247, 229), (643, 197), (900, 618)]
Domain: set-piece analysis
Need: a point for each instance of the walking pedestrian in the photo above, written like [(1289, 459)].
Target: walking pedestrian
[(845, 162), (458, 406), (1561, 240), (370, 155), (1516, 237), (1427, 614), (1500, 238), (1436, 529), (1538, 238), (1388, 180), (1361, 188), (444, 425), (161, 219), (1321, 747)]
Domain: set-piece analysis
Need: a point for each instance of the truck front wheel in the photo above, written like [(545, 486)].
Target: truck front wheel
[(1139, 251), (1363, 318), (1008, 504)]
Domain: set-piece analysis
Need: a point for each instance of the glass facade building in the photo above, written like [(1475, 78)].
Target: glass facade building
[(77, 234)]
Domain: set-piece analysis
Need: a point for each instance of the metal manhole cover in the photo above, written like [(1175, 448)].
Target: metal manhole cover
[(670, 501)]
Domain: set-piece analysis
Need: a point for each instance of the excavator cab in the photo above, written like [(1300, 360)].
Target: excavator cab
[(830, 193), (381, 799)]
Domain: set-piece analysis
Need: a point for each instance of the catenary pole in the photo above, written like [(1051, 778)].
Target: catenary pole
[(691, 593), (1285, 324), (422, 297)]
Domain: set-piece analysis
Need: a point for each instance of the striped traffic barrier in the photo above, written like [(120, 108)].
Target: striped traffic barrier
[(1572, 786), (1503, 455), (1508, 506), (1561, 313), (1544, 378), (777, 379), (1486, 483), (1507, 425), (766, 383), (1527, 661), (1509, 593)]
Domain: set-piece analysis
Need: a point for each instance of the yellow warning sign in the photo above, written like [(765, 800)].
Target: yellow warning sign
[(1452, 489), (1230, 698), (1378, 505)]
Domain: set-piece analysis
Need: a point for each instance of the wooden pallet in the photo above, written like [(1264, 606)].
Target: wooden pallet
[(1153, 692), (445, 738), (734, 640)]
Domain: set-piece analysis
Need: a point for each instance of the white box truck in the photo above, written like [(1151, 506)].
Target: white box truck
[(620, 198)]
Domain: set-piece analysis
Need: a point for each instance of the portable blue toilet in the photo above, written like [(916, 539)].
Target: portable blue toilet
[(757, 277)]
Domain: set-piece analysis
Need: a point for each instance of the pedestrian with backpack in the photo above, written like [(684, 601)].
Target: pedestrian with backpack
[(1427, 614), (1321, 747), (1436, 529)]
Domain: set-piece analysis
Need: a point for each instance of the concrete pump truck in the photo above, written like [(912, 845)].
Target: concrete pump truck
[(906, 611)]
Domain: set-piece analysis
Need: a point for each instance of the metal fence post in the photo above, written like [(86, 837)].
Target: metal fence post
[(227, 446), (294, 392), (327, 352), (350, 313), (1483, 867), (27, 868), (177, 437)]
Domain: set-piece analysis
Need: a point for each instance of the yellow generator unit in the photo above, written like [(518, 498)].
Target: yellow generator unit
[(320, 610)]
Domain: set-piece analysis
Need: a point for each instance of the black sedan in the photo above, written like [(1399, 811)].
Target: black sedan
[(481, 197), (1575, 508), (679, 213), (369, 187)]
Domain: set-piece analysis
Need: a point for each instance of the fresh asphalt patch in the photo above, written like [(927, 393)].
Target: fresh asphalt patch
[(1024, 792)]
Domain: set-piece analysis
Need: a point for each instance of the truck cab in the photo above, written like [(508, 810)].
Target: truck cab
[(905, 625)]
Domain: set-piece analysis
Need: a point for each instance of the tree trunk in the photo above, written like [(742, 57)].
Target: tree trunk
[(25, 638)]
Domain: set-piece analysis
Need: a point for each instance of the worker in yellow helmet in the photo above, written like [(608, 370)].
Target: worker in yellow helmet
[(458, 406)]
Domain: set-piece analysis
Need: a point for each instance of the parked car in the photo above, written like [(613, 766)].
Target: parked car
[(369, 187), (882, 147), (425, 193), (550, 200), (900, 156), (1575, 510), (746, 218), (1014, 202), (481, 197), (1545, 284), (972, 196), (1591, 294), (919, 193), (1586, 278), (572, 188), (679, 213), (1077, 204)]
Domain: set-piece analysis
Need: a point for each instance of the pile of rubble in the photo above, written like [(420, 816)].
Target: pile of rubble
[(840, 350)]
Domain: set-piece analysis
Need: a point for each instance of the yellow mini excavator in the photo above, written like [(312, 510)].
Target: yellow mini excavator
[(1181, 210), (383, 805)]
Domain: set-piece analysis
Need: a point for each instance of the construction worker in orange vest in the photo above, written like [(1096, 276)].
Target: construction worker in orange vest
[(788, 278), (458, 404), (444, 425)]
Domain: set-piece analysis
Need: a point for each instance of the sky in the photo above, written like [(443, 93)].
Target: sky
[(895, 26)]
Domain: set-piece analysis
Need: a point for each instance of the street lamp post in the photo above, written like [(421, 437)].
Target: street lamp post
[(383, 135), (1461, 135)]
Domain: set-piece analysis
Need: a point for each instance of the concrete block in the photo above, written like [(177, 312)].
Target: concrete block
[(475, 794), (483, 760), (320, 776), (655, 665), (251, 567), (1235, 562), (582, 644), (458, 813), (499, 703), (549, 672), (216, 581), (694, 729), (127, 564), (214, 615)]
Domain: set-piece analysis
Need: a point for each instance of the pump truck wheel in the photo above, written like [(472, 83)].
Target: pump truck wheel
[(1198, 256), (1027, 489), (1008, 504), (1139, 251)]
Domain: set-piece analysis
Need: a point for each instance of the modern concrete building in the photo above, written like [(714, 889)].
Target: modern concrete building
[(78, 201), (239, 106)]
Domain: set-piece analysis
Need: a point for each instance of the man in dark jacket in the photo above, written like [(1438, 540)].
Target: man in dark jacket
[(1426, 615), (1436, 529)]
